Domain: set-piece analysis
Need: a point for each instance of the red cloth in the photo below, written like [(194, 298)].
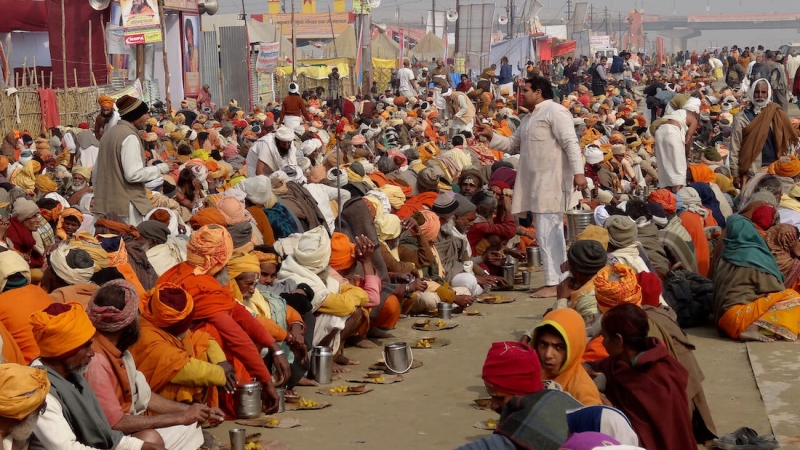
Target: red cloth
[(513, 368), (651, 288), (78, 14), (763, 216), (652, 394), (50, 118), (24, 243), (666, 198), (506, 229)]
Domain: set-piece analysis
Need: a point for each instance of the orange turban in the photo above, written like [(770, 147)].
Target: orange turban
[(267, 258), (166, 305), (22, 390), (45, 184), (209, 249), (117, 227), (703, 173), (666, 198), (69, 212), (105, 101), (232, 210), (612, 293), (207, 216), (52, 214), (430, 229), (616, 138), (342, 252), (3, 163), (786, 166), (61, 329)]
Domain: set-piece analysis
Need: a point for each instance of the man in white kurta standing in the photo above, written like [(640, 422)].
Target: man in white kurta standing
[(121, 170), (406, 78), (673, 142), (545, 140)]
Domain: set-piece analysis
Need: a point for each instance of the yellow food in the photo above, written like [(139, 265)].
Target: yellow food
[(273, 422), (441, 323), (490, 423), (308, 403), (426, 326), (423, 343), (253, 446), (338, 390), (380, 379)]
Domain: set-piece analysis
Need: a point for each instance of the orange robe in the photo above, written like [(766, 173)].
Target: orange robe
[(263, 224), (81, 293), (16, 307), (11, 351), (694, 225)]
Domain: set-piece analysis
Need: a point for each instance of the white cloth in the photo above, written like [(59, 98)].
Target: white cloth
[(324, 324), (164, 256), (724, 206), (549, 158), (69, 142), (553, 249), (135, 171), (405, 77), (468, 281), (438, 100), (790, 216), (112, 121), (89, 156), (292, 122), (266, 151), (59, 198), (54, 432), (671, 153)]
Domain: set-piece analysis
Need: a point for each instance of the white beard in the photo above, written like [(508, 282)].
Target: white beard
[(77, 187), (759, 104), (24, 430)]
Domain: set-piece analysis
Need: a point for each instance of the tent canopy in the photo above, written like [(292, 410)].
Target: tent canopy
[(518, 50), (343, 46), (256, 31), (431, 46), (384, 47)]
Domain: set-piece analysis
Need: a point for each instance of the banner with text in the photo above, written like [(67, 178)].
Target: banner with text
[(140, 21), (268, 57), (308, 26)]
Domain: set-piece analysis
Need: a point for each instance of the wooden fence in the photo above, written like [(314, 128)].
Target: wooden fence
[(75, 105)]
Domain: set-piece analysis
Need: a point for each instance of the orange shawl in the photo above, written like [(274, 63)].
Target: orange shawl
[(262, 223), (417, 203), (122, 387), (210, 298)]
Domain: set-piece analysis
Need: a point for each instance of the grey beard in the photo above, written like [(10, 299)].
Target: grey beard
[(80, 370), (222, 277), (77, 187)]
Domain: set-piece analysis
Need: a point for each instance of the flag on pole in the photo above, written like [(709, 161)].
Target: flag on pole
[(358, 54), (309, 6)]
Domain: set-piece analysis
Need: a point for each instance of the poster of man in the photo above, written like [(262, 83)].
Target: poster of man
[(138, 13), (191, 54)]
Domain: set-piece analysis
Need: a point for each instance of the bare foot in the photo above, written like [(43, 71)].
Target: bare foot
[(751, 333), (344, 361), (306, 382), (545, 292), (340, 369)]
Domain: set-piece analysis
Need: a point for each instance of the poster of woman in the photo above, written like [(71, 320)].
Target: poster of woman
[(191, 54)]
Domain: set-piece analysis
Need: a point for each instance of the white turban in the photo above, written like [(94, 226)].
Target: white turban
[(310, 146), (258, 189), (313, 250), (154, 184), (71, 275), (692, 105), (593, 154), (284, 134), (342, 176)]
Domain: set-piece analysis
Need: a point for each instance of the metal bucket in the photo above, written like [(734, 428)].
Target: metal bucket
[(247, 400), (534, 256), (526, 278), (445, 310), (281, 399), (398, 357), (577, 221), (322, 364)]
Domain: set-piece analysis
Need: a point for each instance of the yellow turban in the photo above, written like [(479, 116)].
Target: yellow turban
[(61, 329), (785, 166), (44, 184), (85, 241), (396, 196), (85, 172), (388, 227), (209, 249), (267, 258), (247, 263), (105, 101), (22, 390), (25, 177)]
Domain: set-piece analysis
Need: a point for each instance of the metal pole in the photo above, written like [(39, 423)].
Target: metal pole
[(338, 188), (433, 16), (294, 47)]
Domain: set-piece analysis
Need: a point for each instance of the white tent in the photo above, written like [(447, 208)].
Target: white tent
[(431, 46), (384, 47), (343, 46)]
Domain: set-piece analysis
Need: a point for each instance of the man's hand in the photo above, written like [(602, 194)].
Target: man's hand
[(463, 301), (282, 371), (418, 285), (411, 225), (4, 224), (737, 182), (579, 181), (269, 397), (195, 413), (484, 130), (491, 281), (364, 248), (216, 416), (230, 376), (493, 258), (563, 289)]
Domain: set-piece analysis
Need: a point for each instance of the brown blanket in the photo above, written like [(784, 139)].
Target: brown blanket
[(754, 136)]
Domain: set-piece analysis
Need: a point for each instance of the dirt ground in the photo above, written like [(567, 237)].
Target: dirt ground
[(432, 407)]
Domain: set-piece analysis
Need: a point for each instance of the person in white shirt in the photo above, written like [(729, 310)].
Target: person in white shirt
[(464, 111), (405, 77), (23, 390), (271, 152)]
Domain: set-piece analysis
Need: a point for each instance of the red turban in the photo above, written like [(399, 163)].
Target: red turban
[(764, 217), (651, 288), (513, 368), (666, 198)]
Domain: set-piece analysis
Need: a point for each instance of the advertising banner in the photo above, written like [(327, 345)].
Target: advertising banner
[(140, 21)]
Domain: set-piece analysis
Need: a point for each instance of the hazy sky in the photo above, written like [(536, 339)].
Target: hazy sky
[(411, 12)]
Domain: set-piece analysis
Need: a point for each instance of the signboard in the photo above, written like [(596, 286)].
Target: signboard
[(308, 26), (268, 57), (599, 41), (140, 21), (191, 54), (266, 90), (183, 5)]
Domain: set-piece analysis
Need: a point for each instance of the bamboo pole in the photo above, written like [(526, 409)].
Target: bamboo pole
[(105, 49), (75, 74), (64, 42), (43, 78), (164, 54), (91, 72), (35, 76), (24, 71)]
